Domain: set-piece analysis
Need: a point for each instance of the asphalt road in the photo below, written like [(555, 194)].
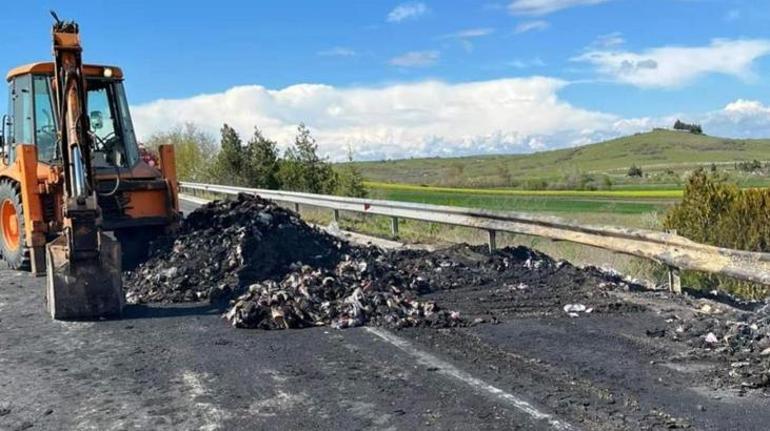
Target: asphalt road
[(183, 367)]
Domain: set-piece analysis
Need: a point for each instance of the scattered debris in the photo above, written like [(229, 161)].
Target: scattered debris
[(730, 332), (353, 294)]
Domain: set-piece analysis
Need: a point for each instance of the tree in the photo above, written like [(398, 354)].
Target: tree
[(228, 166), (692, 128), (635, 171), (194, 150), (303, 170), (261, 164), (350, 181)]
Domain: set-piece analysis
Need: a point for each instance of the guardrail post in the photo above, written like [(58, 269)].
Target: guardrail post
[(394, 227), (674, 280), (492, 240), (336, 216), (296, 208)]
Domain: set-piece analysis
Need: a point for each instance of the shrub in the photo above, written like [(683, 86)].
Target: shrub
[(749, 166), (716, 212), (350, 181), (635, 171)]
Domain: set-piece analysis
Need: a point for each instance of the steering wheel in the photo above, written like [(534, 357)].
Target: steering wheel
[(102, 143)]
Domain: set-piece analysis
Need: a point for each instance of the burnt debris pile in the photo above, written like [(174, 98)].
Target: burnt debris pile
[(363, 289), (224, 247), (276, 272)]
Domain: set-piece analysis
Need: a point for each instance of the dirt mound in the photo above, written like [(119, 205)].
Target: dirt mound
[(224, 247)]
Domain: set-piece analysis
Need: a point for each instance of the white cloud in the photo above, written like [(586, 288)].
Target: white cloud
[(464, 37), (407, 11), (606, 41), (337, 51), (528, 26), (674, 66), (739, 119), (429, 118), (416, 59), (544, 7), (526, 64), (470, 33)]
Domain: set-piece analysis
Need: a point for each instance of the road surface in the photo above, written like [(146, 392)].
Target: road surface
[(183, 367)]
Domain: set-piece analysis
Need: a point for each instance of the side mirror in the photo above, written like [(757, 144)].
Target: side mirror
[(97, 121)]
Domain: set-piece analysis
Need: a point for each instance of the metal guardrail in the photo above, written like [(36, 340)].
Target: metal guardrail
[(676, 252)]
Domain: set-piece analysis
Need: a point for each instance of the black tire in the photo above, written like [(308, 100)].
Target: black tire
[(135, 244), (13, 250)]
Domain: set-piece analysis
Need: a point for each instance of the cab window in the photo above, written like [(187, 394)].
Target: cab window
[(45, 125), (114, 144), (22, 110)]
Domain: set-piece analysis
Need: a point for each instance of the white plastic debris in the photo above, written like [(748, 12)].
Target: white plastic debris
[(574, 310), (711, 338)]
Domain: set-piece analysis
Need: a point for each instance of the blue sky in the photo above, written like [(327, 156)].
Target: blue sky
[(451, 77)]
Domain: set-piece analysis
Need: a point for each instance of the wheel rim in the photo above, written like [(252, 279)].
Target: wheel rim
[(9, 219)]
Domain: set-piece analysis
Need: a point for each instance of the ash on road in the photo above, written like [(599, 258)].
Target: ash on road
[(543, 345)]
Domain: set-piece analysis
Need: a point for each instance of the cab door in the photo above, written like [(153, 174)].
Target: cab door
[(21, 117)]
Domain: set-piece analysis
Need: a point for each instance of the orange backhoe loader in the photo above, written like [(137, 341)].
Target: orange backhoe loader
[(70, 170)]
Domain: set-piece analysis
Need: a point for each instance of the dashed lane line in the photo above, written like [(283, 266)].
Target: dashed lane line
[(450, 370)]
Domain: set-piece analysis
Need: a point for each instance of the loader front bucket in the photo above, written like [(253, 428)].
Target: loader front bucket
[(85, 290)]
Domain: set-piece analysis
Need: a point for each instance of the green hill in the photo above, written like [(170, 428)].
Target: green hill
[(661, 153)]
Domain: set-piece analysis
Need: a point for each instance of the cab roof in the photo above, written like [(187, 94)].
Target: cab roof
[(47, 68)]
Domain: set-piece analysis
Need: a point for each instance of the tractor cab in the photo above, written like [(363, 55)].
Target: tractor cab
[(137, 200), (32, 119)]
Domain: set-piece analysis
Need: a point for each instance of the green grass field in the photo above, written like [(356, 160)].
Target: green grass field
[(626, 193), (561, 203)]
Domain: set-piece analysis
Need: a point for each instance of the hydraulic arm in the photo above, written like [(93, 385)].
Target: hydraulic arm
[(83, 264)]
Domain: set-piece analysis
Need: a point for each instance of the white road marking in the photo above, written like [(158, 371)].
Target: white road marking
[(212, 415), (450, 370)]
